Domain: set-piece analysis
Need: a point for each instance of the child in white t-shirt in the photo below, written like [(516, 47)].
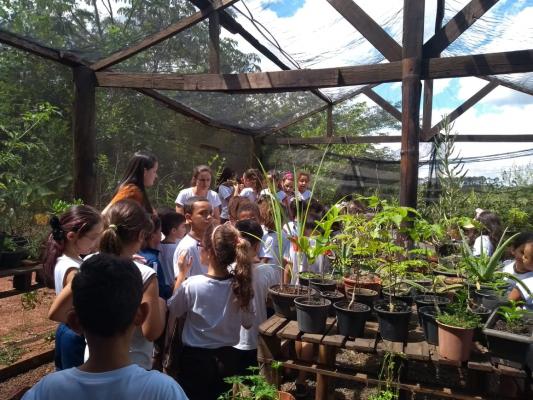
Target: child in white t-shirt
[(74, 233), (107, 310), (522, 268), (252, 184), (216, 305), (304, 193), (174, 227), (227, 188)]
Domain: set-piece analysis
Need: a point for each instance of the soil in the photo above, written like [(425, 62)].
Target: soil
[(364, 278), (396, 307), (313, 301), (20, 382), (355, 307), (518, 329), (292, 290), (24, 333)]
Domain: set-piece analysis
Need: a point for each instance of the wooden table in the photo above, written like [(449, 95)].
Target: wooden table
[(277, 336), (22, 276)]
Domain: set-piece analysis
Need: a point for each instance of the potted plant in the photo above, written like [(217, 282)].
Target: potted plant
[(509, 332), (253, 387), (11, 253), (456, 330)]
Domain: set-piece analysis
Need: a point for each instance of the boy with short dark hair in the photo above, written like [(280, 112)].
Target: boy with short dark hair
[(198, 214), (174, 227), (107, 295)]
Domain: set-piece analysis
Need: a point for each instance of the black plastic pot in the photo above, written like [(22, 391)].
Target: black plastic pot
[(326, 285), (489, 298), (362, 295), (407, 298), (304, 280), (351, 322), (508, 348), (423, 300), (427, 315), (284, 302), (332, 296), (393, 325), (12, 259), (311, 313)]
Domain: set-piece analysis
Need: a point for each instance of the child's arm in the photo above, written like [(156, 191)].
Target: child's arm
[(154, 323), (515, 295), (184, 266), (287, 272), (61, 305)]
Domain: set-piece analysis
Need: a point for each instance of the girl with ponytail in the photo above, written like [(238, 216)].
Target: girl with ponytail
[(74, 233), (216, 304), (126, 224)]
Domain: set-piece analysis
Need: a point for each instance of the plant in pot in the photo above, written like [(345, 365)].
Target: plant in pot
[(509, 332), (456, 330), (252, 387)]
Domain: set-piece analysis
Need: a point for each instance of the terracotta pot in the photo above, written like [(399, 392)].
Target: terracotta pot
[(455, 343), (285, 396), (373, 284)]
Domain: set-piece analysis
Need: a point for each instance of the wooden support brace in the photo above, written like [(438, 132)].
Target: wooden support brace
[(384, 104)]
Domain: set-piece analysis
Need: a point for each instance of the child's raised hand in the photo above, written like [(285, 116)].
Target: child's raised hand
[(184, 262)]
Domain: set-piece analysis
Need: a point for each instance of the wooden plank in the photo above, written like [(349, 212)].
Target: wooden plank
[(509, 371), (366, 344), (84, 133), (414, 351), (329, 121), (179, 107), (63, 57), (469, 103), (20, 270), (380, 101), (290, 331), (333, 338), (456, 26), (158, 37), (296, 80), (26, 365), (413, 36), (326, 358), (374, 33), (214, 43), (271, 325), (388, 346)]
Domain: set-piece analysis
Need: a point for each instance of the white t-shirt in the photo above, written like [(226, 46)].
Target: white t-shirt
[(305, 266), (270, 249), (291, 228), (249, 193), (213, 313), (224, 193), (131, 382), (527, 280), (141, 349), (263, 277), (166, 257), (63, 264), (186, 194), (189, 245), (482, 242)]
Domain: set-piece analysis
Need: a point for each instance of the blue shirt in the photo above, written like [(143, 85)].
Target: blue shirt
[(152, 260)]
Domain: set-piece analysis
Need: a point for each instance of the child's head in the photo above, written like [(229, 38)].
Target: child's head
[(106, 294), (272, 177), (248, 210), (266, 216), (287, 183), (252, 232), (77, 230), (521, 243), (491, 226), (303, 181), (173, 225), (234, 205), (201, 177), (125, 226), (222, 245), (153, 239), (252, 179), (142, 172), (198, 213)]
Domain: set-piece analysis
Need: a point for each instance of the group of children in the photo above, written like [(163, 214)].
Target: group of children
[(194, 280)]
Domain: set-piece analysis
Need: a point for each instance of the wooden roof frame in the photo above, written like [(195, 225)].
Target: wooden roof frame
[(409, 63)]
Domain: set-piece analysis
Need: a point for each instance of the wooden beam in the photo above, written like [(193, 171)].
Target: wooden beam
[(413, 36), (456, 26), (228, 22), (297, 80), (329, 121), (84, 134), (63, 57), (384, 104), (214, 43), (189, 112), (166, 33), (473, 100), (374, 33)]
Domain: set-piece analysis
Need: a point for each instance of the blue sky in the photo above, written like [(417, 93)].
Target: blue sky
[(284, 8)]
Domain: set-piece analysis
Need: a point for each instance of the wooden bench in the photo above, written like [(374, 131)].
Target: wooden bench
[(278, 333), (22, 276)]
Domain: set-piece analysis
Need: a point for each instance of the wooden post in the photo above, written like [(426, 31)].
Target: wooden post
[(84, 134), (413, 34), (329, 127), (214, 43), (326, 357)]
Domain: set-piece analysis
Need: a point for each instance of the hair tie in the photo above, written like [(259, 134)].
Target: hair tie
[(57, 232), (113, 227)]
